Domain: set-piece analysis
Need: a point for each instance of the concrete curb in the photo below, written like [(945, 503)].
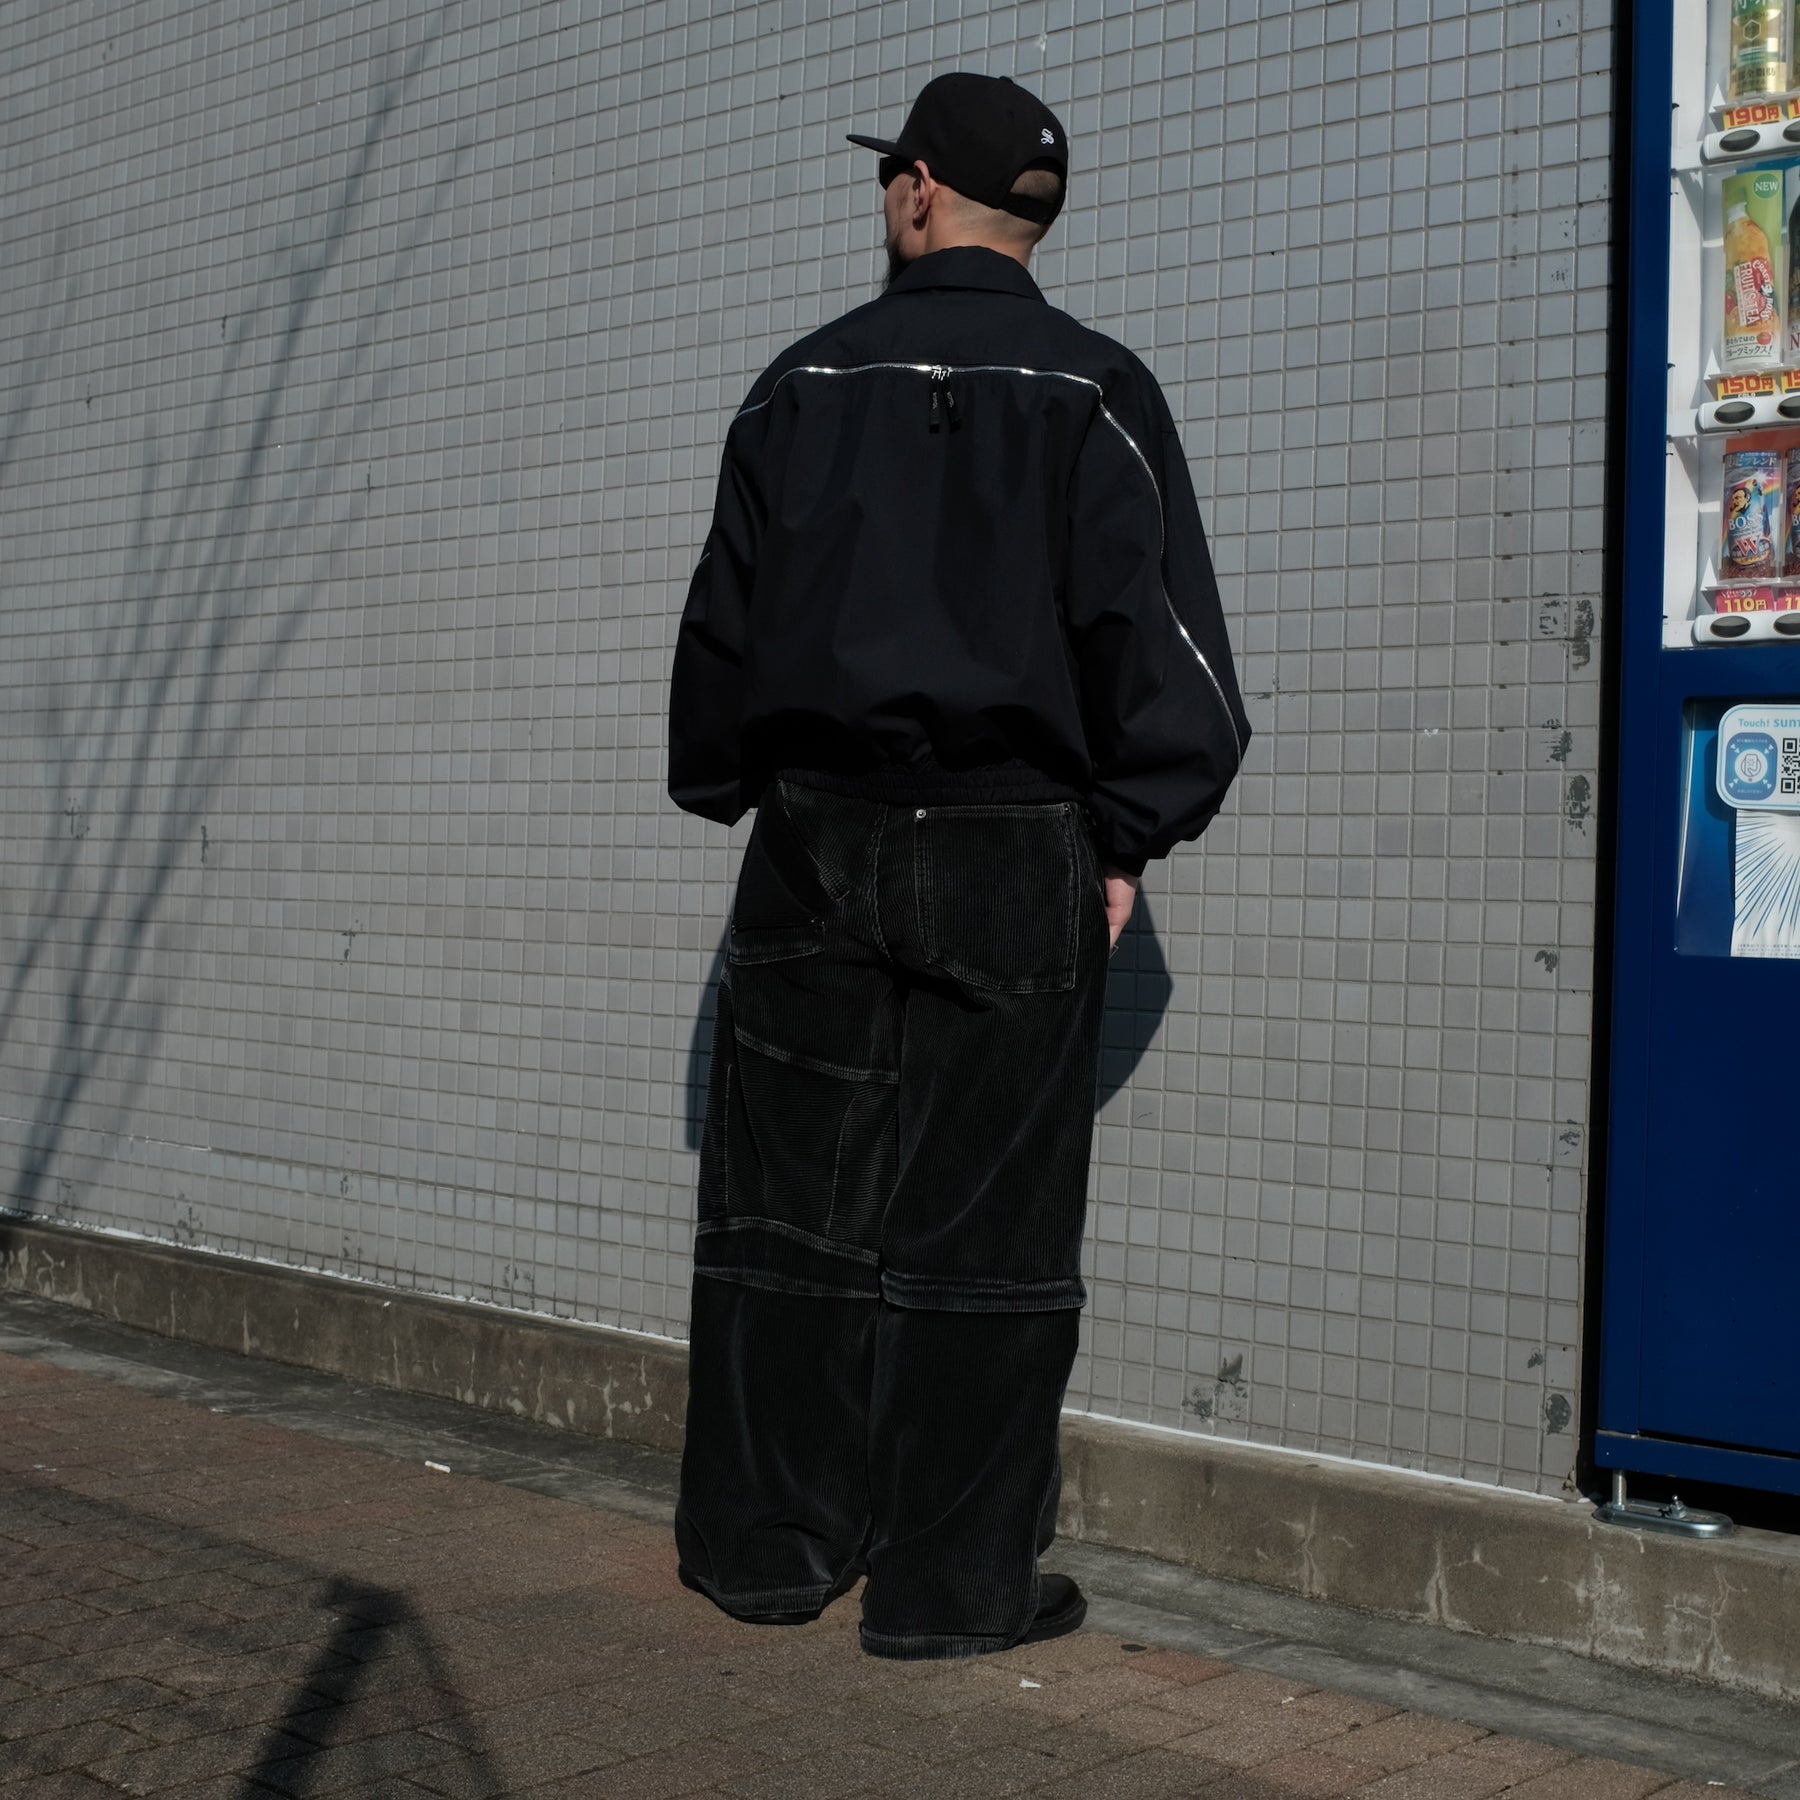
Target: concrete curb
[(1481, 1560), (1473, 1559), (587, 1378)]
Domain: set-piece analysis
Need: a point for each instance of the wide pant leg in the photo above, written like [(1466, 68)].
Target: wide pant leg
[(797, 1167), (964, 1475), (981, 1240), (887, 1292), (774, 1509)]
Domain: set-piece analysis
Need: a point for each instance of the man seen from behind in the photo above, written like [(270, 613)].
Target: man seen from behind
[(955, 636)]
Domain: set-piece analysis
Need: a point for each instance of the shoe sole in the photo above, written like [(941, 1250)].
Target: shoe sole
[(1057, 1624)]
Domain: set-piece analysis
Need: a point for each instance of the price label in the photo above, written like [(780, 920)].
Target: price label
[(1759, 112), (1762, 381)]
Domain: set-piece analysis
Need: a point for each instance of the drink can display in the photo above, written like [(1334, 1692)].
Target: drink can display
[(1755, 493), (1791, 286), (1753, 269), (1790, 557), (1758, 54)]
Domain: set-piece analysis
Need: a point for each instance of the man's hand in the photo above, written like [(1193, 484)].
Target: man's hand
[(1121, 894)]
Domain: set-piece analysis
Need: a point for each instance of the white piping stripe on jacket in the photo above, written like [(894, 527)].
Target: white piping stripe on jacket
[(1043, 375)]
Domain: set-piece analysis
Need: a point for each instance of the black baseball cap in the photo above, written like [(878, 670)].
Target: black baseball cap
[(978, 134)]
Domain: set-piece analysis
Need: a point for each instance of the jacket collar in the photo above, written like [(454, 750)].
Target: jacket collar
[(967, 266)]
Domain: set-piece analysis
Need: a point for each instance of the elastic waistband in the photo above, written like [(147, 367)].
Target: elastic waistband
[(899, 785)]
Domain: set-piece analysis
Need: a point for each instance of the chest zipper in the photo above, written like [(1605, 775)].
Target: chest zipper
[(943, 402)]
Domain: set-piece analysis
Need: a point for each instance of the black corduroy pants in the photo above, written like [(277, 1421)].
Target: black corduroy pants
[(892, 1182)]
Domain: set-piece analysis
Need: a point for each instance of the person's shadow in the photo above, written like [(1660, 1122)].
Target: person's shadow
[(1138, 988)]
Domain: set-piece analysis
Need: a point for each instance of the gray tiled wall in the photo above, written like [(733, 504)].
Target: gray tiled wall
[(366, 368)]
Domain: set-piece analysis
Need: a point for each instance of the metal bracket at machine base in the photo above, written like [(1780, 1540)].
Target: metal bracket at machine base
[(1651, 1515)]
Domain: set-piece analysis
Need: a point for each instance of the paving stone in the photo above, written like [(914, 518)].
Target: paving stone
[(1399, 1741), (1314, 1774), (822, 1774), (184, 1760), (1449, 1777), (60, 1708), (1177, 1666), (1594, 1778), (476, 1772), (175, 1718), (313, 1769), (1148, 1775), (73, 1747), (1245, 1739), (1243, 1693), (70, 1785), (89, 1668)]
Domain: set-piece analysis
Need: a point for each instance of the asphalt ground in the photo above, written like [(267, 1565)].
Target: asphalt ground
[(223, 1577)]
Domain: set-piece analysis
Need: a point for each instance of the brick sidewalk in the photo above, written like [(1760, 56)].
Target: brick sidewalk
[(199, 1605)]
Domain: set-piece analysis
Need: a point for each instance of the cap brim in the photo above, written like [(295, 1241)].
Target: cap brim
[(880, 145)]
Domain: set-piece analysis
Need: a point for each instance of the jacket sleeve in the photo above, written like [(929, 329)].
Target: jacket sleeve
[(1164, 720), (706, 690)]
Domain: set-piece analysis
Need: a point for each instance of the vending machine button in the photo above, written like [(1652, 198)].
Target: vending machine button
[(1787, 624), (1733, 412), (1732, 142), (1730, 625)]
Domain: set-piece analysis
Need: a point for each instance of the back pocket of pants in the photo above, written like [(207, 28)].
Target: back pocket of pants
[(998, 890)]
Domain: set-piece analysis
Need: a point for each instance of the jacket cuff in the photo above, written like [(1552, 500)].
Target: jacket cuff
[(1126, 865)]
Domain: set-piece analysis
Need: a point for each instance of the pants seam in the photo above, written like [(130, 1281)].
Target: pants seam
[(817, 1064), (799, 1235)]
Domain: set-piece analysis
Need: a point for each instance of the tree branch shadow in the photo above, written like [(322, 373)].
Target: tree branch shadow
[(201, 629)]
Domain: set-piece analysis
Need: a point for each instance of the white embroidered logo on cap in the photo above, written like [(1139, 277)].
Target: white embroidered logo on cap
[(1046, 136)]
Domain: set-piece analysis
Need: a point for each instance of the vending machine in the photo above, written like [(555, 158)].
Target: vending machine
[(1699, 1376)]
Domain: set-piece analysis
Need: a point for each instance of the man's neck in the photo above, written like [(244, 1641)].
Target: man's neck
[(953, 239)]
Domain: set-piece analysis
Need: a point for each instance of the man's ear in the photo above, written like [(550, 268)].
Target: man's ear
[(924, 194)]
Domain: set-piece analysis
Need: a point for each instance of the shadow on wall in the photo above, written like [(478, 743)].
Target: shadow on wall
[(237, 525), (1138, 989)]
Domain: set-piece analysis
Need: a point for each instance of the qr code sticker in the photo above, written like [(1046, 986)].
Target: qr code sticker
[(1789, 782)]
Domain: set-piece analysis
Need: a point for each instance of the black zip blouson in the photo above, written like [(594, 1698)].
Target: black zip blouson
[(956, 558)]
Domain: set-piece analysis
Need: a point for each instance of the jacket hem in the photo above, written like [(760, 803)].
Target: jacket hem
[(902, 785)]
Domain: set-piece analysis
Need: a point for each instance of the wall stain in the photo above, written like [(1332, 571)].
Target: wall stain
[(1574, 622), (1578, 804), (1550, 959), (1230, 1394), (1557, 1414), (1581, 634)]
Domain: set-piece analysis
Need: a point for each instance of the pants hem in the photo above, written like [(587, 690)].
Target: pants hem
[(760, 1602), (931, 1646)]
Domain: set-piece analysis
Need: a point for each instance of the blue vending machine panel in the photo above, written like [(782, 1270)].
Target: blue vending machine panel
[(1699, 1376)]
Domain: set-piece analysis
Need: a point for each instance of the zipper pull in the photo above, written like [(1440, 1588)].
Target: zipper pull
[(941, 395)]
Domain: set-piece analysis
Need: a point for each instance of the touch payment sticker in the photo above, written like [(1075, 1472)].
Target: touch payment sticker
[(1759, 758)]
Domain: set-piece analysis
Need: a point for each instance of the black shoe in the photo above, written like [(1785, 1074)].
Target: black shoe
[(1061, 1608)]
